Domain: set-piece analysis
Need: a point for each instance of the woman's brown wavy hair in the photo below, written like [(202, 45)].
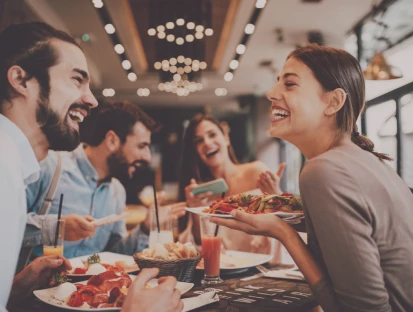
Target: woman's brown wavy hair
[(336, 68)]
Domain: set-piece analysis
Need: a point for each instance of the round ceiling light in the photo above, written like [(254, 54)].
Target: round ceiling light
[(132, 77), (228, 76)]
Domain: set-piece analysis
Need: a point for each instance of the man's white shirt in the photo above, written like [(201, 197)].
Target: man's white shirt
[(18, 168)]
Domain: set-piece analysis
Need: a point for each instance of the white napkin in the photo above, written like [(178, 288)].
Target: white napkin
[(199, 301), (293, 274), (110, 219)]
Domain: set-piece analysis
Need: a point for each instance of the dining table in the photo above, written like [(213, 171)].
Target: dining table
[(242, 291)]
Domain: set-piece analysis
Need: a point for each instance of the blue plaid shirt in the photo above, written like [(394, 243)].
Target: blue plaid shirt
[(84, 196)]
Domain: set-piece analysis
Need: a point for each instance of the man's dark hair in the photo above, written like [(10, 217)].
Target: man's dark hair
[(118, 116), (28, 45)]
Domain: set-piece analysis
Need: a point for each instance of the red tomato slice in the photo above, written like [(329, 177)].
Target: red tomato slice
[(79, 271)]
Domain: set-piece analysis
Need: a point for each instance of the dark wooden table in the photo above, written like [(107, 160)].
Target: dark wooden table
[(236, 295)]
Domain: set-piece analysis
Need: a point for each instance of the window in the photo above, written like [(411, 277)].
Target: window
[(382, 128), (406, 113)]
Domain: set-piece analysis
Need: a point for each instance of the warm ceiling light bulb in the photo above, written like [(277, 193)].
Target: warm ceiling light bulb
[(199, 35), (218, 92), (146, 92), (111, 92), (180, 41), (170, 25), (180, 21), (249, 29), (177, 77), (132, 77), (180, 71), (157, 65), (195, 62), (224, 91), (161, 35), (228, 76), (195, 68), (165, 63), (98, 4), (260, 4), (241, 49), (199, 28), (189, 38), (170, 38), (139, 92), (203, 65), (187, 69), (190, 25), (151, 31), (173, 69), (199, 86), (161, 86), (209, 32), (181, 59), (172, 61), (180, 91), (233, 64), (110, 29), (192, 87), (160, 28), (119, 49), (186, 92), (186, 83), (126, 64), (188, 61), (105, 92)]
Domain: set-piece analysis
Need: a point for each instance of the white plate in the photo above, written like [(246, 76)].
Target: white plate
[(243, 260), (106, 258), (198, 211), (47, 295)]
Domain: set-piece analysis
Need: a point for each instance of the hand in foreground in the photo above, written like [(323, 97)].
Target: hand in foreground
[(37, 275), (269, 182), (164, 297), (196, 200), (258, 224), (78, 227)]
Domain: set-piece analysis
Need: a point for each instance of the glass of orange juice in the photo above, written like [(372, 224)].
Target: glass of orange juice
[(211, 251), (52, 242)]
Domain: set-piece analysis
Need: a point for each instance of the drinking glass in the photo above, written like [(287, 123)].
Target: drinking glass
[(211, 251), (165, 234), (51, 246)]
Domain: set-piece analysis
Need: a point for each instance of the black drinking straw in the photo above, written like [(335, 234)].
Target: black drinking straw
[(156, 202), (58, 219), (217, 228)]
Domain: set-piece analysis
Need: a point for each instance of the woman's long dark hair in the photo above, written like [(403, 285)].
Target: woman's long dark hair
[(192, 166), (335, 68)]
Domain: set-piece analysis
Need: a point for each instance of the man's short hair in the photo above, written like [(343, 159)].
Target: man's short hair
[(28, 45), (118, 116)]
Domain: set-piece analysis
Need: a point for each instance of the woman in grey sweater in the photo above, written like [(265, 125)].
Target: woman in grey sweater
[(359, 212)]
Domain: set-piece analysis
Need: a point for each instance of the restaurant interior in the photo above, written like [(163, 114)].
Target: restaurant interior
[(178, 58)]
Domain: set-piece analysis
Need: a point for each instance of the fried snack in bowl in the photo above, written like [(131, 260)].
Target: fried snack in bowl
[(172, 259)]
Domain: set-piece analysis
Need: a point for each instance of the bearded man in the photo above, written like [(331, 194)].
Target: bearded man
[(118, 144)]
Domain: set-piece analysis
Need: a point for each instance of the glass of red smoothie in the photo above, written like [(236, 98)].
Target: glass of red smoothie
[(211, 250)]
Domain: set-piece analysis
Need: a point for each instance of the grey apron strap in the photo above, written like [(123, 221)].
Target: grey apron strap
[(47, 203)]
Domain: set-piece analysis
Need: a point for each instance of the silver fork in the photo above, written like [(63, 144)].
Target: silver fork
[(262, 269)]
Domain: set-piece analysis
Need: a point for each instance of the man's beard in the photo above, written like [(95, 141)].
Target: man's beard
[(119, 167), (60, 136)]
